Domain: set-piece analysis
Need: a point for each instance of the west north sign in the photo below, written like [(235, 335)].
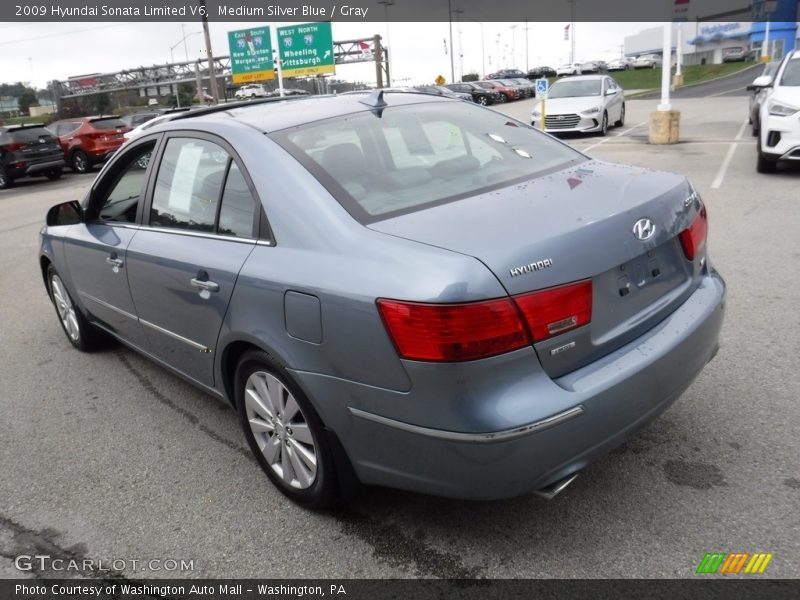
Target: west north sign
[(306, 49)]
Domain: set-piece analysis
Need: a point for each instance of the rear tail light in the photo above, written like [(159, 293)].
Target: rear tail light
[(556, 310), (473, 330), (453, 332), (693, 239), (15, 147)]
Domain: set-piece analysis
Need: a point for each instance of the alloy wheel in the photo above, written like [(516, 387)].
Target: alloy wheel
[(280, 430), (65, 308)]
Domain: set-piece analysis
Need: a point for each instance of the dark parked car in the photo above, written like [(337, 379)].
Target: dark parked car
[(479, 94), (28, 150), (87, 141), (507, 93), (505, 74), (539, 72), (412, 302)]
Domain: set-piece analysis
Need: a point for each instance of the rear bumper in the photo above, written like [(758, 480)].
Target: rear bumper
[(37, 167), (480, 440)]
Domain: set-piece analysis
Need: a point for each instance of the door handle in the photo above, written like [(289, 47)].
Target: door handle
[(115, 262), (211, 286)]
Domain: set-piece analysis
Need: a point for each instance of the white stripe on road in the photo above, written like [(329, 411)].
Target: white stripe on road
[(723, 169), (605, 139), (725, 92)]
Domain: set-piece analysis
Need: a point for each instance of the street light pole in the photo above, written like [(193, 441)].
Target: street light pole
[(389, 71), (212, 76), (452, 60)]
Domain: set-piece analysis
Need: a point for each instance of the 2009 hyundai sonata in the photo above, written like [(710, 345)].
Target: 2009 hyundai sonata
[(395, 288)]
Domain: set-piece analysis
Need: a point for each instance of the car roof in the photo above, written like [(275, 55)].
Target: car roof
[(20, 126), (268, 116)]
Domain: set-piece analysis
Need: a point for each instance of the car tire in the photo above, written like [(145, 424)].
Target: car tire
[(621, 121), (482, 100), (764, 163), (80, 162), (604, 124), (80, 333), (756, 128), (5, 181), (53, 174), (264, 391)]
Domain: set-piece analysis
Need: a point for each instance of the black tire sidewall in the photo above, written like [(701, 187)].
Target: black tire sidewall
[(75, 155), (323, 492)]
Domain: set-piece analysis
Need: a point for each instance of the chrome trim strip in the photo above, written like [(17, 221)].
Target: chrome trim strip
[(107, 305), (175, 336), (489, 437), (189, 233)]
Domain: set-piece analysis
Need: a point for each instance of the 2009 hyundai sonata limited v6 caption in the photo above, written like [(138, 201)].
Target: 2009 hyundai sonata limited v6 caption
[(395, 288)]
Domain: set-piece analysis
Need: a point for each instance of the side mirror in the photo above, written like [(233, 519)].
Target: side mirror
[(66, 213), (610, 92), (760, 82)]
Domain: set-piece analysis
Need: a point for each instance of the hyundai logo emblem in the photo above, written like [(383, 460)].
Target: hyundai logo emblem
[(560, 118), (644, 229)]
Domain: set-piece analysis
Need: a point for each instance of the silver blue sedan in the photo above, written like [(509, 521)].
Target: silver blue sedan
[(395, 288)]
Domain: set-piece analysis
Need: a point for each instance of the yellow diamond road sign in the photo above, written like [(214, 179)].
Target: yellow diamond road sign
[(440, 80)]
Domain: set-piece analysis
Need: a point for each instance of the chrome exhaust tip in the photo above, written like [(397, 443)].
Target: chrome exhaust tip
[(554, 489)]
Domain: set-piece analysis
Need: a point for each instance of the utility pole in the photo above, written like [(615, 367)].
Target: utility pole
[(452, 60), (378, 59), (527, 65), (572, 32), (212, 76)]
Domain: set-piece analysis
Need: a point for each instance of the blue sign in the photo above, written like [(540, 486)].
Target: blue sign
[(542, 87)]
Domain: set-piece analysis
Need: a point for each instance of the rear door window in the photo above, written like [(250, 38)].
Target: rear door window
[(188, 186)]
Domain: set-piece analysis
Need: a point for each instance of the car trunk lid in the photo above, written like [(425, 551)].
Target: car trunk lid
[(570, 226)]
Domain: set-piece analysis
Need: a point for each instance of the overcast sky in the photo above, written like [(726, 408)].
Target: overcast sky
[(43, 51)]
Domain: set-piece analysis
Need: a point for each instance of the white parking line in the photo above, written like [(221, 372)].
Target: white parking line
[(723, 168), (605, 139)]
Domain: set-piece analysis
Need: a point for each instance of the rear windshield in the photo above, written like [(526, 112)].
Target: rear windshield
[(110, 123), (29, 134), (416, 156), (573, 89)]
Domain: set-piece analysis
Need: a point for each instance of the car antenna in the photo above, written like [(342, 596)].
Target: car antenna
[(375, 101)]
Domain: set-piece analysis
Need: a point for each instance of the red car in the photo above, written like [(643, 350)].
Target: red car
[(508, 93), (87, 141)]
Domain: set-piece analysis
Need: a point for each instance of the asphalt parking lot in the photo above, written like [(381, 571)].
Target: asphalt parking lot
[(107, 456)]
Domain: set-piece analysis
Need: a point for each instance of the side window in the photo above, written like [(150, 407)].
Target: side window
[(188, 186), (120, 196), (238, 206)]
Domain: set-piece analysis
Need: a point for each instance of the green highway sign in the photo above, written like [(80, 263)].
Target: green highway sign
[(306, 49), (251, 55)]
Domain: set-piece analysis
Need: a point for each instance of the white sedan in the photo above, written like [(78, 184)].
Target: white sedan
[(779, 117), (573, 69), (586, 104)]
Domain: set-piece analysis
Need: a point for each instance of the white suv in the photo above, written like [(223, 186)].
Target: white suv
[(252, 90), (779, 117)]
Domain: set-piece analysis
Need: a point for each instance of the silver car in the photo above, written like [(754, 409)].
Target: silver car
[(583, 104), (396, 289)]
